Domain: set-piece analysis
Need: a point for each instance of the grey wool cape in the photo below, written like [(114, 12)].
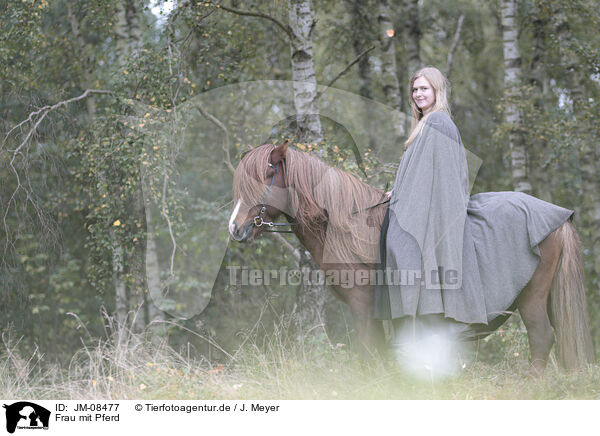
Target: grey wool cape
[(443, 252)]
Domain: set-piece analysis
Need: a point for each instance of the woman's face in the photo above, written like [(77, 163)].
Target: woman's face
[(423, 95)]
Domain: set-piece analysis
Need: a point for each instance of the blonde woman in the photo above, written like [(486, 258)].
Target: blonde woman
[(427, 90), (438, 245)]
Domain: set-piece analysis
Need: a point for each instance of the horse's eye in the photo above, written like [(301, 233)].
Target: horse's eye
[(270, 164)]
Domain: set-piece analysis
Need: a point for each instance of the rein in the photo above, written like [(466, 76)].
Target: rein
[(371, 207), (375, 205)]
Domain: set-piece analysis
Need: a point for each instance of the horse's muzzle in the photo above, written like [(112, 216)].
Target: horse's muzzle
[(243, 233)]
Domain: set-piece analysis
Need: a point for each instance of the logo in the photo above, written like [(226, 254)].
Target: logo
[(26, 415)]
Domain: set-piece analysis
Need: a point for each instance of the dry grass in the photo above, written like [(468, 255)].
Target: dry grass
[(125, 365)]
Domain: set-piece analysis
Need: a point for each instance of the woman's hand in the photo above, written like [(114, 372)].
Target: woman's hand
[(388, 195)]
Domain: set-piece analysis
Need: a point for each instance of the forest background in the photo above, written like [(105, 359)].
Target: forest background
[(122, 122)]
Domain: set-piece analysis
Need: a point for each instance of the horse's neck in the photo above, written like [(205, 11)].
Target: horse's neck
[(314, 243), (311, 242)]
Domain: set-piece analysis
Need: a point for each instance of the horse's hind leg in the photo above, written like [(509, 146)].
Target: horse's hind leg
[(533, 303)]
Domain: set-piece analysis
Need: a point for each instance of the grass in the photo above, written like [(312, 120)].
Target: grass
[(125, 365)]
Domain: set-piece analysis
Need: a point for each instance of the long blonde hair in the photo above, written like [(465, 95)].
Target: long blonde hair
[(440, 88)]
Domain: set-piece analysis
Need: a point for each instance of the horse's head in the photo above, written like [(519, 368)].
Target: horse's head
[(259, 191)]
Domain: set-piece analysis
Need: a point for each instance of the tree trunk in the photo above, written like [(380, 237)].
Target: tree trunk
[(359, 26), (311, 298), (128, 34), (389, 73), (122, 40), (588, 150), (537, 77), (412, 32), (302, 24), (79, 46), (122, 31), (453, 46), (152, 265), (116, 249), (537, 74), (512, 77)]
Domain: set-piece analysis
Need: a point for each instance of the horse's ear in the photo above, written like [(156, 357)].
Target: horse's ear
[(279, 152)]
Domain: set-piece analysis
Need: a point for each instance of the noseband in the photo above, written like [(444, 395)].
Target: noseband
[(258, 220)]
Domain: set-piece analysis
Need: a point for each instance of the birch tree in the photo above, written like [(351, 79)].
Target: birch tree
[(512, 77), (302, 24), (299, 30), (122, 40), (128, 39)]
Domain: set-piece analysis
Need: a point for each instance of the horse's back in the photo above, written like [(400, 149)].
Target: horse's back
[(507, 228)]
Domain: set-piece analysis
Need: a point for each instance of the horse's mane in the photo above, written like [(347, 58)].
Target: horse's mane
[(319, 195)]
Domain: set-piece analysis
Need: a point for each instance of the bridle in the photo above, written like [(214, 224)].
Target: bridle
[(258, 220)]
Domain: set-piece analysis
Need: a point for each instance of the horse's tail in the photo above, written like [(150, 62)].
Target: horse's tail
[(568, 304)]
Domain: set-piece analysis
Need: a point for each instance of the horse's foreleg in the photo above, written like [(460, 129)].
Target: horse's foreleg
[(533, 304), (369, 331)]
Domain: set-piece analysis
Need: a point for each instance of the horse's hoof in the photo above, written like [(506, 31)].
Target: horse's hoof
[(535, 371)]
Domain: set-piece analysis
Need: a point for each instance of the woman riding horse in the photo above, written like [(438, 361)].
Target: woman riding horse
[(473, 255), (471, 260)]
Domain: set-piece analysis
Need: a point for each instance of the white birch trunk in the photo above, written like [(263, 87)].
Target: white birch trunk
[(302, 23), (512, 77), (311, 298)]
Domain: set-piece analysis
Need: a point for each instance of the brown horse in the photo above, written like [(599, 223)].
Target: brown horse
[(331, 216)]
